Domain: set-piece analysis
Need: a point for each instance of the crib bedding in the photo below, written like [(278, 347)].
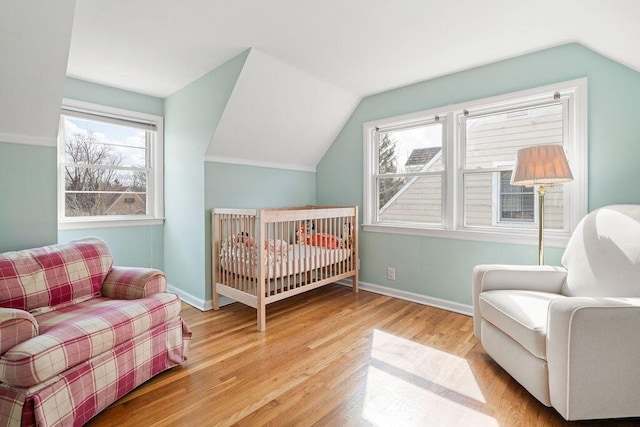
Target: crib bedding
[(283, 259)]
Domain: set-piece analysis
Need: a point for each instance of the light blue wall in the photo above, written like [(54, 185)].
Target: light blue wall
[(130, 246), (236, 186), (441, 268), (28, 206), (191, 117), (112, 97)]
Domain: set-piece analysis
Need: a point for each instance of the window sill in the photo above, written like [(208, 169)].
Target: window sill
[(519, 237), (91, 223)]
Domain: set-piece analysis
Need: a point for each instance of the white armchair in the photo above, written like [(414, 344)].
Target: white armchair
[(571, 335)]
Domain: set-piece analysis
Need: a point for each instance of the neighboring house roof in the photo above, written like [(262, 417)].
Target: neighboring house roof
[(422, 156), (127, 203)]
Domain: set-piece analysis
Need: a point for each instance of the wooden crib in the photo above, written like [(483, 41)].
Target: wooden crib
[(260, 256)]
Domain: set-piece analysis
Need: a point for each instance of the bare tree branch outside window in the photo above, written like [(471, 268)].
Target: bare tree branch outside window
[(96, 182)]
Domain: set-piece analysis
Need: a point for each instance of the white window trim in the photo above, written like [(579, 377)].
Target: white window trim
[(575, 145), (156, 184)]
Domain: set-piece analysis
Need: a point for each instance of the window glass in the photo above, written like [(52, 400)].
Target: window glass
[(497, 137), (492, 141), (410, 174), (106, 169)]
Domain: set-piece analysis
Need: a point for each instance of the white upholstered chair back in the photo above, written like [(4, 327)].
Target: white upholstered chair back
[(603, 254)]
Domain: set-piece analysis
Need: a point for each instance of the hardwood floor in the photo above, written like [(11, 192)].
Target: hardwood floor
[(331, 357)]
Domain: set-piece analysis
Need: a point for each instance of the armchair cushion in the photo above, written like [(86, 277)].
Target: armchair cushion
[(53, 275), (520, 314), (488, 277), (603, 254), (16, 326), (76, 333)]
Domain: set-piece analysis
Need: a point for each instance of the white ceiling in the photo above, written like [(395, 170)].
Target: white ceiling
[(363, 46)]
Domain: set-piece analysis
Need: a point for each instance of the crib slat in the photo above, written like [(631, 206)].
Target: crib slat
[(262, 261), (301, 247), (288, 260)]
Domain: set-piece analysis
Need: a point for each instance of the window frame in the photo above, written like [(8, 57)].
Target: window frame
[(154, 153), (574, 142)]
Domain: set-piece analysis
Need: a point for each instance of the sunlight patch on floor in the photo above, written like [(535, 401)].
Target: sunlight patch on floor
[(412, 384)]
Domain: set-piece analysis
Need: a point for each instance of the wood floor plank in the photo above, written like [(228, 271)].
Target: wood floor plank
[(332, 357)]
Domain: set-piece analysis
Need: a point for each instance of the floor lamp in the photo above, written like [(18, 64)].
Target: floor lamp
[(544, 166)]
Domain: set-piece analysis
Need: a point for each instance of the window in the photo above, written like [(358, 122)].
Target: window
[(110, 167), (446, 172)]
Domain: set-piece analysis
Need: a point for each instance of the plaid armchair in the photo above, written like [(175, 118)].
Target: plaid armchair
[(76, 333)]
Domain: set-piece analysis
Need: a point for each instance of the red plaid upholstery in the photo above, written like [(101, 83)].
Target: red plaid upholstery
[(16, 326), (76, 333), (53, 275), (133, 282), (85, 390)]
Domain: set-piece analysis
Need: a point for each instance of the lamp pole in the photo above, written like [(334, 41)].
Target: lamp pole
[(541, 191)]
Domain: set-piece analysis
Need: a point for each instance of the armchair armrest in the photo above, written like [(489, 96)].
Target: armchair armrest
[(543, 278), (592, 354), (133, 283), (16, 326)]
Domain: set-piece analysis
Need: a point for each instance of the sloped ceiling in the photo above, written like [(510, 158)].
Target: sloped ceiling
[(279, 116), (364, 46), (312, 60), (34, 47), (310, 64)]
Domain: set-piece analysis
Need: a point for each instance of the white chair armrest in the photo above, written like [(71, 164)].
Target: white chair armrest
[(592, 350), (543, 278)]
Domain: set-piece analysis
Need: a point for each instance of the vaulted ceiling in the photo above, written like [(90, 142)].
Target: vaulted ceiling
[(310, 61), (362, 46)]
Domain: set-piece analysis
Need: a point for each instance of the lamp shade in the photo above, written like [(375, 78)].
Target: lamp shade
[(541, 164)]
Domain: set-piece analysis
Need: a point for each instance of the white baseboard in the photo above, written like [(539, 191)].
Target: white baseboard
[(413, 297), (206, 305), (199, 303)]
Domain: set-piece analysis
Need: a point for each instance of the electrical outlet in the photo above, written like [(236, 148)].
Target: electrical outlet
[(391, 273)]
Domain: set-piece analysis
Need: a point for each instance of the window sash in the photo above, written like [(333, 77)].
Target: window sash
[(543, 100), (413, 176)]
